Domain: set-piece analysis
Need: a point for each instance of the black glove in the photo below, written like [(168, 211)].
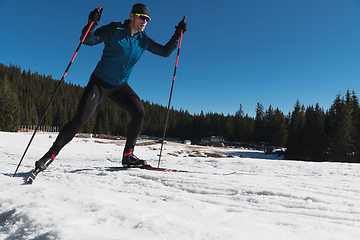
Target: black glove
[(95, 16), (181, 26)]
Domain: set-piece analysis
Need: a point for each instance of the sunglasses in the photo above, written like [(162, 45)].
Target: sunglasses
[(143, 17)]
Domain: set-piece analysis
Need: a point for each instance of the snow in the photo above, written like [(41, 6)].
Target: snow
[(267, 198)]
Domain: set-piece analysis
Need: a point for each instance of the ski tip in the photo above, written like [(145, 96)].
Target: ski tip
[(29, 182)]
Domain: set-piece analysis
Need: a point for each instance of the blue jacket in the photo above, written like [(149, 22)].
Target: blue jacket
[(122, 50)]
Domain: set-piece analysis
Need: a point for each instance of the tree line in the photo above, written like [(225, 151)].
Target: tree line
[(308, 133)]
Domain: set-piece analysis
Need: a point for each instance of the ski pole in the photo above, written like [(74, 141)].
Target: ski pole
[(57, 88), (172, 86)]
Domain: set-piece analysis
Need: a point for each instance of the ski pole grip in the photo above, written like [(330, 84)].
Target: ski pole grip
[(100, 9), (92, 23), (184, 18)]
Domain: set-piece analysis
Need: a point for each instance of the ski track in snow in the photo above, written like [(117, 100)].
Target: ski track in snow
[(267, 198)]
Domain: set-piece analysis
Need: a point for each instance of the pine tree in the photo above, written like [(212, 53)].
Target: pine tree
[(279, 132), (9, 108), (355, 115), (259, 125), (238, 125), (341, 134), (314, 134), (295, 140), (248, 132)]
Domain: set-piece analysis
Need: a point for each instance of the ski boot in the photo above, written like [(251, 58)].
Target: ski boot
[(45, 161), (41, 165), (130, 160)]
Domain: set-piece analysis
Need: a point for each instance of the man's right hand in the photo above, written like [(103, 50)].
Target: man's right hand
[(95, 16)]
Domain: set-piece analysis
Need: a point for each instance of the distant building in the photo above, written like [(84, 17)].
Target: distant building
[(188, 142)]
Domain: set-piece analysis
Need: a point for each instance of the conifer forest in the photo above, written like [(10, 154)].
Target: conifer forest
[(308, 132)]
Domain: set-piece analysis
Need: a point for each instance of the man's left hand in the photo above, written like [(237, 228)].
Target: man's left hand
[(181, 26)]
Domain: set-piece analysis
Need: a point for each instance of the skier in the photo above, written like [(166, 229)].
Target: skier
[(124, 44)]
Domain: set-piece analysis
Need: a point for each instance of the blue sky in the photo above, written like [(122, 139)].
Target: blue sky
[(234, 52)]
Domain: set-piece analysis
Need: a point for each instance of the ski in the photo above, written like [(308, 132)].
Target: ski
[(148, 167), (151, 168), (32, 176)]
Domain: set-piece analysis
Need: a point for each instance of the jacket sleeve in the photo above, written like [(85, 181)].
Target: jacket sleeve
[(164, 51), (100, 35)]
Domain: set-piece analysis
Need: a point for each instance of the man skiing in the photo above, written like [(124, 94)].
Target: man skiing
[(124, 44)]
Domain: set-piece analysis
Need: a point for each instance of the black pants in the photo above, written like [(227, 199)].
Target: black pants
[(95, 92)]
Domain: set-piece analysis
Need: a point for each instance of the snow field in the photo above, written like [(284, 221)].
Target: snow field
[(267, 198)]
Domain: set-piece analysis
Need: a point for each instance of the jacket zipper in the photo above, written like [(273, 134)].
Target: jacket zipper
[(127, 62)]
